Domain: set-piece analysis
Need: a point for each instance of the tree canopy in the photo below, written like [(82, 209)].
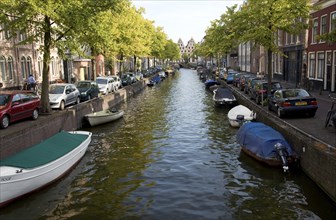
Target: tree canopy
[(257, 21), (108, 27)]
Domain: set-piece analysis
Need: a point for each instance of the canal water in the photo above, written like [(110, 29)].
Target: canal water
[(173, 156)]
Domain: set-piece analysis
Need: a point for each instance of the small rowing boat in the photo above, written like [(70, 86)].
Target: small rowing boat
[(104, 116)]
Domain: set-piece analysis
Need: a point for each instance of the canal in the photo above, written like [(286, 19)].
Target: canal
[(173, 156)]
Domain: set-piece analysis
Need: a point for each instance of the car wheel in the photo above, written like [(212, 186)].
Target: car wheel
[(35, 114), (279, 113), (62, 105), (311, 114), (77, 100), (4, 121)]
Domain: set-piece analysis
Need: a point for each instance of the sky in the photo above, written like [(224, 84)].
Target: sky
[(184, 19)]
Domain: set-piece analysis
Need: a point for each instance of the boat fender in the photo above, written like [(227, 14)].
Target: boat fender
[(281, 150)]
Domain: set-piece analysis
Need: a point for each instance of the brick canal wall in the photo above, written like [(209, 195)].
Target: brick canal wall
[(317, 159), (72, 118)]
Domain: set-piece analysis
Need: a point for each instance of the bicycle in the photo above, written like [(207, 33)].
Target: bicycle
[(331, 115)]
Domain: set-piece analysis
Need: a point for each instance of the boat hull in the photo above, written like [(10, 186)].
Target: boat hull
[(103, 117), (242, 111), (17, 182)]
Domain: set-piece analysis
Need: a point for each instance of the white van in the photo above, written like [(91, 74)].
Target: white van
[(105, 84)]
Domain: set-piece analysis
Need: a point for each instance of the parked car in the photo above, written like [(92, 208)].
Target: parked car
[(126, 79), (228, 72), (132, 76), (249, 84), (230, 77), (244, 81), (117, 81), (16, 105), (63, 94), (88, 89), (259, 91), (290, 101), (105, 84)]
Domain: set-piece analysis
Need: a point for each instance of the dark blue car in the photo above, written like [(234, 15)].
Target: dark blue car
[(290, 101)]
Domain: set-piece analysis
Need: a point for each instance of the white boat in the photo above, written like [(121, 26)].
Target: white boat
[(41, 164), (239, 115), (104, 116)]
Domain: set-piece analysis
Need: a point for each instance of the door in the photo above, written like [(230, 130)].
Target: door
[(82, 73)]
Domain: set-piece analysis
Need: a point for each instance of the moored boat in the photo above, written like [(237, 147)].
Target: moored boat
[(211, 82), (155, 80), (266, 145), (41, 164), (239, 115), (105, 116), (224, 96)]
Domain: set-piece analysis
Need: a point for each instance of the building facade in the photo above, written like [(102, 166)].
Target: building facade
[(187, 49), (321, 55), (17, 62)]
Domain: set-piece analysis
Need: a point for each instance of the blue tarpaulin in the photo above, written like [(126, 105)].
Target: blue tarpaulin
[(260, 140)]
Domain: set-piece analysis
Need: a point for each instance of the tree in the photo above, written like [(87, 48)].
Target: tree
[(60, 24), (171, 51), (259, 21)]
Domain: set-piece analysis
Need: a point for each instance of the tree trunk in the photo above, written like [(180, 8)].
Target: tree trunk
[(45, 105), (134, 64), (269, 72), (121, 62)]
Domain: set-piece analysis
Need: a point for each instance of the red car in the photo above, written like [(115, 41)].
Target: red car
[(16, 105)]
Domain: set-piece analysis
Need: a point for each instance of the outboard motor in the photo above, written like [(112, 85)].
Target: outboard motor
[(281, 150), (240, 119)]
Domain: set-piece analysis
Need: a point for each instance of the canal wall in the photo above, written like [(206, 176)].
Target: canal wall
[(17, 138), (317, 158)]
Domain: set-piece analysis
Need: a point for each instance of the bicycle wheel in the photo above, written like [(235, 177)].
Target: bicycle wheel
[(327, 119)]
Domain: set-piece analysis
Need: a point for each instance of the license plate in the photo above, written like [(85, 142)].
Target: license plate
[(300, 103)]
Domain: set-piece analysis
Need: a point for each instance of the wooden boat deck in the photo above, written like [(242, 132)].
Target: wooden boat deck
[(46, 151)]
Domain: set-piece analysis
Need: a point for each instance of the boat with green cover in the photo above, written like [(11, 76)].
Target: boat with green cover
[(41, 164)]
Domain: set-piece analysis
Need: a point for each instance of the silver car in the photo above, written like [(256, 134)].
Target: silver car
[(63, 94)]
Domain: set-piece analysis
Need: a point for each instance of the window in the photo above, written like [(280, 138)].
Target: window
[(40, 66), (3, 68), (23, 68), (29, 66), (312, 65), (10, 68), (52, 66), (323, 25), (314, 30), (333, 21), (2, 33), (320, 65)]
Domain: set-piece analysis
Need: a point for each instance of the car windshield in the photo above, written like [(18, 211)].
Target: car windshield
[(274, 86), (295, 93), (4, 100), (83, 85), (56, 89), (101, 81), (124, 76)]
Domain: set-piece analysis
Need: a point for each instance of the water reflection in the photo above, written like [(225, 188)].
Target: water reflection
[(173, 156)]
